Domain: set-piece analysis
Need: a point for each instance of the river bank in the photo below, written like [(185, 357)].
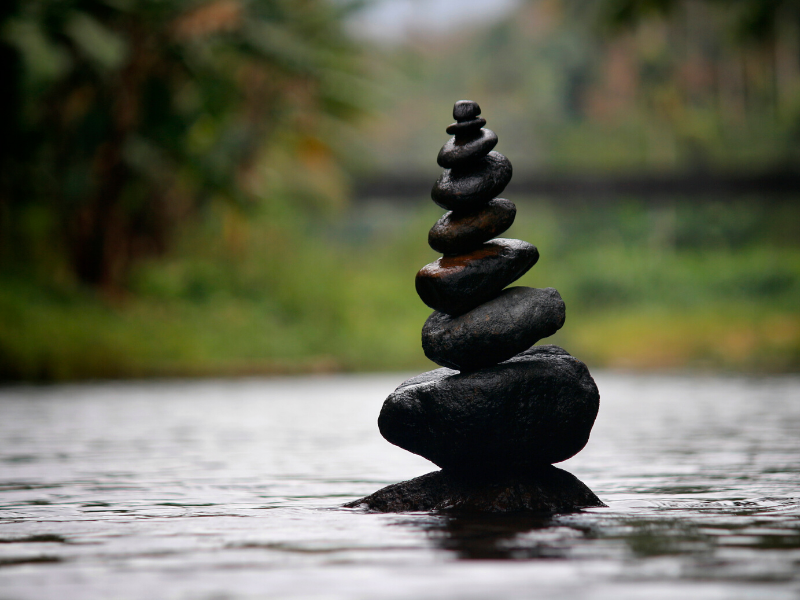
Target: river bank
[(685, 285)]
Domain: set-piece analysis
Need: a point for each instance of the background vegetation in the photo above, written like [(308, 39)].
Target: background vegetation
[(177, 182)]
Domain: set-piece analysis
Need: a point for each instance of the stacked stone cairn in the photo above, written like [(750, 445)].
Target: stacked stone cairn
[(501, 411)]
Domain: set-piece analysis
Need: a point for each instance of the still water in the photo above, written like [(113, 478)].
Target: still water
[(231, 489)]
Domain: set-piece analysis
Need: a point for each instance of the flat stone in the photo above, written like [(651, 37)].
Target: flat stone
[(545, 490), (457, 284), (459, 151), (535, 409), (465, 127), (464, 110), (494, 331), (473, 186), (459, 232)]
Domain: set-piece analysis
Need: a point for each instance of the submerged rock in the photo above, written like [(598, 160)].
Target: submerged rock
[(457, 284), (546, 490), (494, 331), (533, 410)]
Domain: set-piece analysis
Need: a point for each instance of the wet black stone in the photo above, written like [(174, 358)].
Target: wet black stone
[(536, 409), (464, 110), (457, 284), (494, 331), (459, 232), (465, 127), (545, 490), (459, 151), (473, 186)]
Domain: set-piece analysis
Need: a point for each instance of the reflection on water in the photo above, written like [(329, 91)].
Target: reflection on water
[(498, 536), (233, 489)]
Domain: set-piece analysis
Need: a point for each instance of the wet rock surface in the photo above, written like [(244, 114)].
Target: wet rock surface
[(545, 490), (457, 284), (461, 232), (535, 409), (500, 412), (465, 110), (459, 151), (494, 331), (470, 188), (466, 127)]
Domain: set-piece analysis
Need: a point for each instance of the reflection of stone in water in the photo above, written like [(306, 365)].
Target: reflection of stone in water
[(502, 411), (672, 537), (501, 536), (492, 536)]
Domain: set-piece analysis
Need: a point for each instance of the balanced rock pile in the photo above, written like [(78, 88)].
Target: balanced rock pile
[(502, 410)]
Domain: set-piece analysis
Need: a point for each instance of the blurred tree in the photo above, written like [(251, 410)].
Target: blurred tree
[(121, 117), (753, 20)]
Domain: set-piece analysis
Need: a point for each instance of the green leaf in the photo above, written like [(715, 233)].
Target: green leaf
[(101, 45), (44, 61)]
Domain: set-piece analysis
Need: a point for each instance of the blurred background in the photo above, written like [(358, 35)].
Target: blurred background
[(234, 187)]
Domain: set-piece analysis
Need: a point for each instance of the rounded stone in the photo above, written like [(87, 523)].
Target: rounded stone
[(464, 110), (473, 186), (465, 127), (457, 284), (536, 409), (544, 490), (494, 331), (462, 150), (459, 232)]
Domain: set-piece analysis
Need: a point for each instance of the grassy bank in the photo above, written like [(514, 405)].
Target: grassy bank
[(684, 284)]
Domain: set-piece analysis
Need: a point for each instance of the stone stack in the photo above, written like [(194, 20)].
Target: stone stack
[(502, 410)]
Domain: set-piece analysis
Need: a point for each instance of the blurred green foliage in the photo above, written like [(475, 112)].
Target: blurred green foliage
[(189, 161), (749, 19), (121, 118), (684, 86), (645, 287)]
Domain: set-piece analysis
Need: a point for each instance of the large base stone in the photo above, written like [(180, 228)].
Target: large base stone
[(548, 489), (535, 409)]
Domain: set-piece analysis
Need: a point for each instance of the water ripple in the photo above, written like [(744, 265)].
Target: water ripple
[(232, 489)]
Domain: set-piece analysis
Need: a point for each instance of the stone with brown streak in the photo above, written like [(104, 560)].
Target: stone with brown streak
[(457, 284), (494, 331), (458, 232)]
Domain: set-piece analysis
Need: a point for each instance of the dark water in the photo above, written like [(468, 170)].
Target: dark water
[(214, 490)]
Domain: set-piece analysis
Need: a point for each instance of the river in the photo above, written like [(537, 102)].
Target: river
[(232, 490)]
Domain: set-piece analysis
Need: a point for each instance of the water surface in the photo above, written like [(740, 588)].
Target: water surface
[(231, 489)]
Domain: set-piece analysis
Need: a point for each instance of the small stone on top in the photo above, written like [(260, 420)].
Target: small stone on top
[(464, 110)]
